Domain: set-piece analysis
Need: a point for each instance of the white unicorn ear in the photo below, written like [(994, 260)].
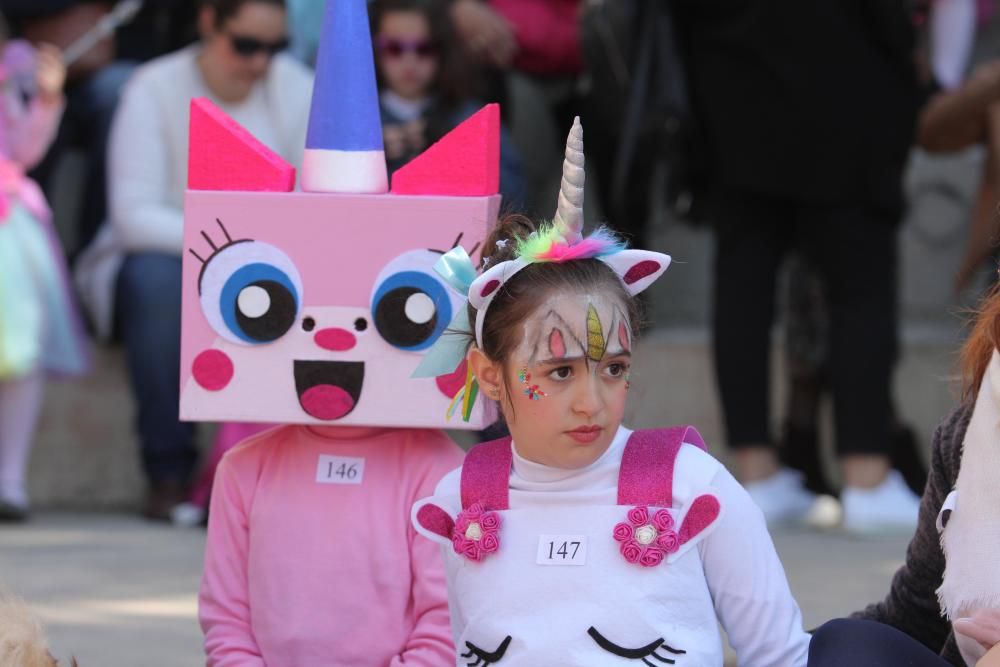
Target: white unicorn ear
[(638, 269), (486, 286)]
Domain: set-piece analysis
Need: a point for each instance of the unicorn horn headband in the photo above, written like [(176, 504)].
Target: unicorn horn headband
[(563, 241)]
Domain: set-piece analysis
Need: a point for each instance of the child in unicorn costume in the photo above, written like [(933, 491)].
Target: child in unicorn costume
[(579, 541), (39, 330), (313, 308)]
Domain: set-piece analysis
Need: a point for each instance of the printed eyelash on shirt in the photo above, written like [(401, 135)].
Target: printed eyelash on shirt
[(647, 651), (484, 658)]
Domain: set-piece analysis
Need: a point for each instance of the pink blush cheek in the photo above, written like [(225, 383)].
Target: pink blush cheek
[(212, 369)]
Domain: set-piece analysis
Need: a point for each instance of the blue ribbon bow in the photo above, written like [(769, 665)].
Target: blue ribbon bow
[(457, 269)]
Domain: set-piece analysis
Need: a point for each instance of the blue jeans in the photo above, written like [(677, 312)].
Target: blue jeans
[(148, 315)]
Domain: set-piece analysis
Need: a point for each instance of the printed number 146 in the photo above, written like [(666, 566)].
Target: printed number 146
[(343, 471)]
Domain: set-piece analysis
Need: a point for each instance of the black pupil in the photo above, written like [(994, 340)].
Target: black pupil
[(394, 326), (276, 321)]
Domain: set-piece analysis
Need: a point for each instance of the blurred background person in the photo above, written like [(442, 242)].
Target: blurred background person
[(808, 111), (93, 86), (39, 330), (132, 273), (423, 88)]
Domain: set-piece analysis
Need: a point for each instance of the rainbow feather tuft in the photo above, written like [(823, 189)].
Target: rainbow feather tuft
[(548, 245)]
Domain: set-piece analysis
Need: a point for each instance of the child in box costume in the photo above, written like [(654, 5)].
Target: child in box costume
[(313, 309), (581, 542)]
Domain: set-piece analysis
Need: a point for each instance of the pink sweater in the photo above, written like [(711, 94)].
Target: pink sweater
[(311, 559)]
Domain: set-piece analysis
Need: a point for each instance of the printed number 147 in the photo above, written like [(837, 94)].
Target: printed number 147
[(563, 550)]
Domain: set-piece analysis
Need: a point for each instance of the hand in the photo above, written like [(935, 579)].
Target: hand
[(484, 32), (984, 82), (50, 75), (394, 141), (983, 626), (413, 132), (991, 659)]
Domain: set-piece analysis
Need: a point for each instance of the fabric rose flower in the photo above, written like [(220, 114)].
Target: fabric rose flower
[(476, 531), (646, 539)]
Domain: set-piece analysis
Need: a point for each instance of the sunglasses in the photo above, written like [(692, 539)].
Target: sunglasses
[(248, 47), (394, 48)]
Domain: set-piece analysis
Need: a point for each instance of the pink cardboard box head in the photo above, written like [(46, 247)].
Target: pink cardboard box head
[(316, 308), (303, 307)]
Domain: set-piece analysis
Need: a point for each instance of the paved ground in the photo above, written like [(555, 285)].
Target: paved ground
[(118, 592)]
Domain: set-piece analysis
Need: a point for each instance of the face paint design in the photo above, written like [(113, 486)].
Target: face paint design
[(624, 335), (531, 390), (596, 343), (557, 346), (572, 355), (572, 327)]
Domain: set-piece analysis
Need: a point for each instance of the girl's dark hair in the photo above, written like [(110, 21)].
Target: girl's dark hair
[(450, 83), (523, 293), (227, 9)]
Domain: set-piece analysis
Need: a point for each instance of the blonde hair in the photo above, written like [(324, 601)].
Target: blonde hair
[(22, 640)]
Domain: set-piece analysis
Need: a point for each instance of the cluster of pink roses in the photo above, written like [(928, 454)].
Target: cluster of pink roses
[(647, 540), (476, 533)]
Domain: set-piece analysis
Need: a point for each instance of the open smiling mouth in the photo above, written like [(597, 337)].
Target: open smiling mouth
[(329, 389)]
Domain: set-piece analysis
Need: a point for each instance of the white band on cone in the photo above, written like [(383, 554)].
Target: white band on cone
[(362, 172)]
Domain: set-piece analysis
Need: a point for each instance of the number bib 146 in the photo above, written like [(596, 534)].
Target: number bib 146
[(340, 469)]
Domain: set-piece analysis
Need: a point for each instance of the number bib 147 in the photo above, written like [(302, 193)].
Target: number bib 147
[(340, 469), (562, 550)]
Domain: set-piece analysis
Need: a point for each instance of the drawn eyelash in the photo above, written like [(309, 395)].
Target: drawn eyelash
[(455, 245), (484, 658), (647, 651), (215, 249)]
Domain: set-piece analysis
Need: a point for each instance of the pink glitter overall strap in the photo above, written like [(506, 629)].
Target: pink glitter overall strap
[(486, 475), (647, 471)]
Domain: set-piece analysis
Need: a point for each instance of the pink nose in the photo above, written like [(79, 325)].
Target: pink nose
[(338, 340)]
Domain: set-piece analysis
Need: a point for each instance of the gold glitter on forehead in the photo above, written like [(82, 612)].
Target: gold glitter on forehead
[(596, 343)]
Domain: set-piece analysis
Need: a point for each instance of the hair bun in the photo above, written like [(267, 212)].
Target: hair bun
[(501, 244)]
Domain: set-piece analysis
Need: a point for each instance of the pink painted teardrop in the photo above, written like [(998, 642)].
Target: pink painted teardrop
[(557, 346), (623, 337)]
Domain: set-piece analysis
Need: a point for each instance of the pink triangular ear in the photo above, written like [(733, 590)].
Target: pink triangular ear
[(704, 510), (466, 161), (224, 156), (434, 520), (638, 269)]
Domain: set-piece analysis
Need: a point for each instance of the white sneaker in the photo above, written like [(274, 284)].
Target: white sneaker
[(187, 515), (889, 507), (782, 498)]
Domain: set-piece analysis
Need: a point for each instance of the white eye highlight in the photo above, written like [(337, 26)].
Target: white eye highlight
[(254, 301), (420, 308)]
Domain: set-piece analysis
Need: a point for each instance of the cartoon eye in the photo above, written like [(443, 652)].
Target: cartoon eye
[(483, 658), (411, 307), (250, 292), (947, 509), (647, 651)]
